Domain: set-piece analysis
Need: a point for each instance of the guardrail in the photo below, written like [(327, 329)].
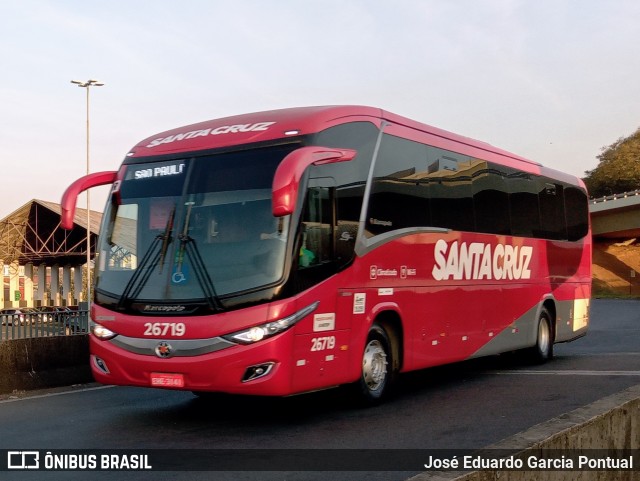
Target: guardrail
[(43, 323), (623, 195)]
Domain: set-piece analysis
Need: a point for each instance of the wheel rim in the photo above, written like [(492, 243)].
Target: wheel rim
[(374, 365), (544, 336)]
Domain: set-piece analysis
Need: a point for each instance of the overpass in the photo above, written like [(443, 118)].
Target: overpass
[(616, 216), (42, 264)]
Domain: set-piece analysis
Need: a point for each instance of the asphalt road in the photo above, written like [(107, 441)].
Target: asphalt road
[(463, 406)]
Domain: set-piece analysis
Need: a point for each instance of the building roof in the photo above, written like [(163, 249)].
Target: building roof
[(32, 234)]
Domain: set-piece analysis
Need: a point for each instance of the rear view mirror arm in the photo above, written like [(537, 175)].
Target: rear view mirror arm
[(70, 196)]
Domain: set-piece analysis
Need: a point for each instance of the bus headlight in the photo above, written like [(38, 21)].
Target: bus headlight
[(102, 332), (270, 329)]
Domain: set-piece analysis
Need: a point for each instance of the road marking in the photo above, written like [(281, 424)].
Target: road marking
[(51, 394), (574, 373)]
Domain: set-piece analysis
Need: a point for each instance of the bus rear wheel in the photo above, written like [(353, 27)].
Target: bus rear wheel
[(543, 350), (377, 367)]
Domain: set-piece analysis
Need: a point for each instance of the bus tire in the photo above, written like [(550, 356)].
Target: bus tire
[(543, 349), (378, 373)]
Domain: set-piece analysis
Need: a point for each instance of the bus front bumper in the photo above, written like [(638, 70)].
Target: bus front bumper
[(257, 369)]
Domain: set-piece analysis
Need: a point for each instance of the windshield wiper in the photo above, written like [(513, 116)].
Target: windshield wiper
[(188, 245), (154, 256), (166, 238)]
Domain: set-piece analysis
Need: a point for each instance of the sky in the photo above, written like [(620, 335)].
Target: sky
[(551, 80)]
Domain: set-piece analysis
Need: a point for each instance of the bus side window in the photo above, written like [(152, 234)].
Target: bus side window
[(400, 190), (577, 213), (348, 205), (123, 239), (490, 200), (317, 228), (451, 192), (551, 196), (524, 205)]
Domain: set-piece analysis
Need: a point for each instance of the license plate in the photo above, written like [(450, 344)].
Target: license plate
[(165, 379)]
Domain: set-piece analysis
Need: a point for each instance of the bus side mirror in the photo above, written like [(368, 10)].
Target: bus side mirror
[(286, 182), (70, 196)]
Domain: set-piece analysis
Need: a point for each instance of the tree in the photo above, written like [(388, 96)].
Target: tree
[(618, 170)]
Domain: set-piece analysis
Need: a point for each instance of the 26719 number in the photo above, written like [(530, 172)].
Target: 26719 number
[(322, 343), (164, 328)]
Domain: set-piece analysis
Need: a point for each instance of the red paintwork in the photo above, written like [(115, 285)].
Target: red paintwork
[(441, 321), (70, 196), (303, 120)]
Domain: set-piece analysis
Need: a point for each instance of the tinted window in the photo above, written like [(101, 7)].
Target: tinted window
[(524, 205), (452, 193), (416, 185), (360, 136), (350, 179), (317, 228), (400, 190), (577, 212), (551, 197), (251, 169), (350, 176), (491, 201)]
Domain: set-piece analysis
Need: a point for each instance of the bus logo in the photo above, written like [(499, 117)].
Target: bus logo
[(164, 350), (477, 261), (225, 129)]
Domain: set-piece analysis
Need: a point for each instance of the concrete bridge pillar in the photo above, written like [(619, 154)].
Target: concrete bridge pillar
[(2, 283), (42, 284), (14, 284), (77, 284), (66, 285), (55, 284), (28, 284)]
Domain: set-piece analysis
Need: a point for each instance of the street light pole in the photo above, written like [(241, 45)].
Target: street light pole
[(87, 85)]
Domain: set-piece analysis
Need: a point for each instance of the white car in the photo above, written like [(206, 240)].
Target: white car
[(12, 317)]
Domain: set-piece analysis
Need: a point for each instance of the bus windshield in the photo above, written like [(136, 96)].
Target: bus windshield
[(193, 229)]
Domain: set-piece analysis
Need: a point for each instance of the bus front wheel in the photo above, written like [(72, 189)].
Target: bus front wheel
[(377, 367), (543, 350)]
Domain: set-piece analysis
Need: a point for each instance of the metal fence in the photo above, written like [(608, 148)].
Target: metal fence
[(23, 323)]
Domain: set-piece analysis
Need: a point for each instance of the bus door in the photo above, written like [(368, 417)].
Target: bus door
[(322, 344)]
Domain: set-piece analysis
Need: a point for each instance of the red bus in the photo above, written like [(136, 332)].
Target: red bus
[(292, 250)]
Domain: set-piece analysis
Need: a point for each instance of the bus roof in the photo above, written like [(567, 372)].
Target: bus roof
[(290, 122), (249, 128)]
